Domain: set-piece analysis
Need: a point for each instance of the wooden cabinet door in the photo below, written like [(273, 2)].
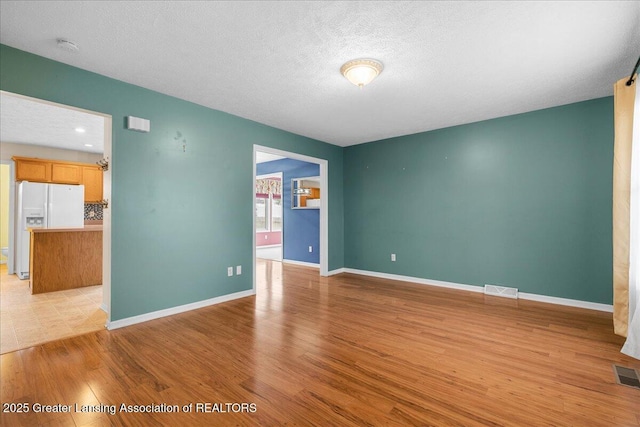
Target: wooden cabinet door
[(64, 173), (92, 180), (33, 170)]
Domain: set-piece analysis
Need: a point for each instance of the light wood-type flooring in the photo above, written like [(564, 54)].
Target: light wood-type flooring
[(27, 320), (341, 351)]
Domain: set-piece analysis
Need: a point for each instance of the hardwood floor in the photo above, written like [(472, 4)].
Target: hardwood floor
[(341, 351)]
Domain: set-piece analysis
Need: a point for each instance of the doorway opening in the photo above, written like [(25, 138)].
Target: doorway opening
[(39, 117), (299, 200)]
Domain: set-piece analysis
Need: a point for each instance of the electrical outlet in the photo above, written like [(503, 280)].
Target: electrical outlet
[(266, 237), (310, 248), (393, 257), (229, 271), (238, 270)]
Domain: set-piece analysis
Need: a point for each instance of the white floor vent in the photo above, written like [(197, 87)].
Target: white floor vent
[(501, 291)]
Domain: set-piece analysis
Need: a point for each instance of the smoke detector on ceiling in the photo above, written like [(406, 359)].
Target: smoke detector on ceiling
[(67, 45)]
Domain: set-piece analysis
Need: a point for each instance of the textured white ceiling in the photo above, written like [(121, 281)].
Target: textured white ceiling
[(446, 63), (24, 121)]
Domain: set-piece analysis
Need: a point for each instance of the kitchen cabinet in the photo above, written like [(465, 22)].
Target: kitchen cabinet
[(66, 173), (62, 172), (65, 258), (92, 180), (34, 170)]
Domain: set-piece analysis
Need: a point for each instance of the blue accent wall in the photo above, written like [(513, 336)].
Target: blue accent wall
[(301, 226)]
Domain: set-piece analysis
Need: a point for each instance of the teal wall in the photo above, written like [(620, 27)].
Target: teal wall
[(179, 218), (522, 201)]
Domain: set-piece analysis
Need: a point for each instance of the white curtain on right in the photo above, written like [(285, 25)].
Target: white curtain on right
[(632, 345)]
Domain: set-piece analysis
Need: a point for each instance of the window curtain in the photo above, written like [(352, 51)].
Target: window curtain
[(626, 216), (269, 186)]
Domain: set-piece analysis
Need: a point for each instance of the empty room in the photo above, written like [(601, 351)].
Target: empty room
[(320, 213)]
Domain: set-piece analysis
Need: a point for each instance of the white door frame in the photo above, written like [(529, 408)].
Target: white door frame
[(324, 204)]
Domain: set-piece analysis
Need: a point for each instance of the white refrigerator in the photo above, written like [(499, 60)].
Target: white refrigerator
[(44, 206)]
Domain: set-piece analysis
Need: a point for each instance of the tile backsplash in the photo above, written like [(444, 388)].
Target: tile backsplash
[(92, 212)]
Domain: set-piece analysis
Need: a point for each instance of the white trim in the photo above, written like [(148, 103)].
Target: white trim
[(480, 289), (302, 263), (107, 179), (417, 280), (103, 307), (287, 154), (566, 301), (337, 271), (253, 220), (324, 218), (179, 309)]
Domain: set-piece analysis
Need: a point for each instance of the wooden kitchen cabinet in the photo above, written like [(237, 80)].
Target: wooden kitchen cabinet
[(65, 258), (35, 170), (92, 180), (66, 173), (61, 172)]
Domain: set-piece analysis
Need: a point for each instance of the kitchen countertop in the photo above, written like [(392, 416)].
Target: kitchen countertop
[(66, 230)]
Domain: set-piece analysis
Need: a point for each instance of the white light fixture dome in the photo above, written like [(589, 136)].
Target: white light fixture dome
[(361, 72)]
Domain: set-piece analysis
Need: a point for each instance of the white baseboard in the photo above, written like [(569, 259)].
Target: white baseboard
[(473, 288), (337, 271), (418, 280), (568, 302), (103, 307), (179, 309), (302, 263)]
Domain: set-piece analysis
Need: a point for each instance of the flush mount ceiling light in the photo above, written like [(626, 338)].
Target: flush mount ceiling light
[(80, 130), (67, 45), (361, 72)]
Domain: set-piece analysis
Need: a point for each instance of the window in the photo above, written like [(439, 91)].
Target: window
[(276, 213), (261, 213), (268, 203)]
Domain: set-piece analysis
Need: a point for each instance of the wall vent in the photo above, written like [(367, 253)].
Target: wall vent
[(500, 291)]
